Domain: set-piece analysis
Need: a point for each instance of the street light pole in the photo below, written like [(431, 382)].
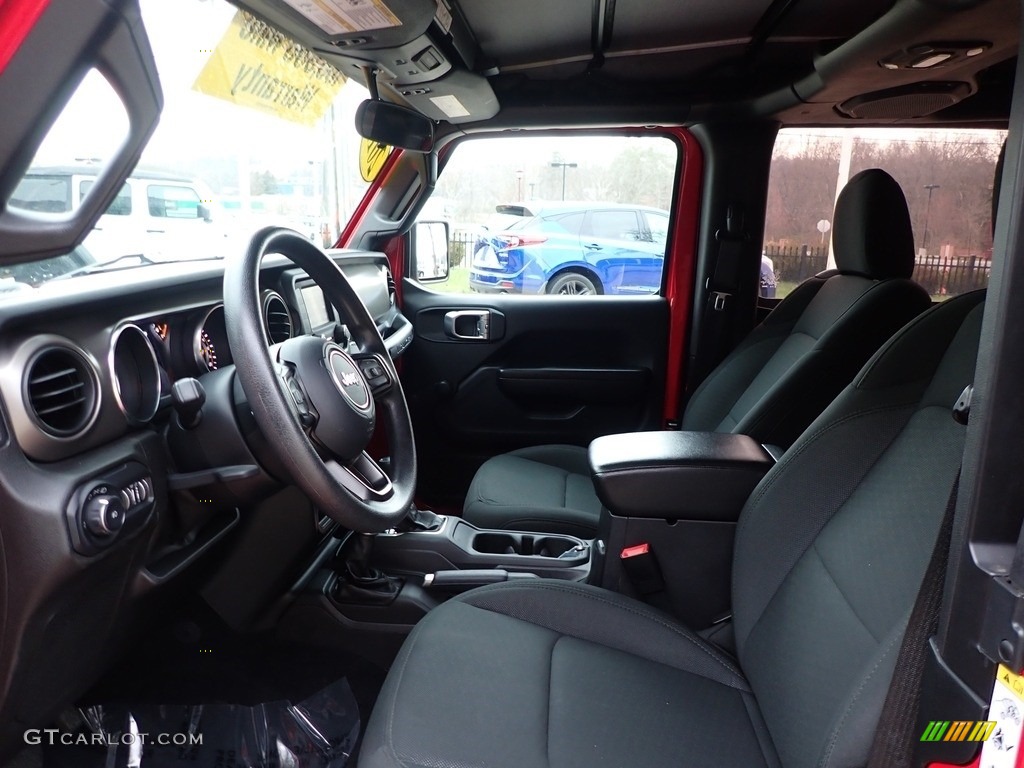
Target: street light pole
[(927, 213), (563, 166)]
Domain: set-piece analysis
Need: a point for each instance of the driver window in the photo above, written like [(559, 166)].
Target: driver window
[(560, 216)]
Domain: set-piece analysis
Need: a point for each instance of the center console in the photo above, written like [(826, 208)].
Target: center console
[(461, 555), (671, 501), (386, 583)]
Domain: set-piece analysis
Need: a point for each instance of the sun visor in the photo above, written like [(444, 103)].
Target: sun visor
[(459, 97), (347, 25)]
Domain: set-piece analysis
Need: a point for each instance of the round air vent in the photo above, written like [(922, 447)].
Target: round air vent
[(392, 288), (60, 391), (277, 318), (136, 374)]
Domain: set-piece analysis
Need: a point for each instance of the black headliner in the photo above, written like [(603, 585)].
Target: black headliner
[(551, 62)]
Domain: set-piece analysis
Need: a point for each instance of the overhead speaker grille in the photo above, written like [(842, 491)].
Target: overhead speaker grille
[(909, 101)]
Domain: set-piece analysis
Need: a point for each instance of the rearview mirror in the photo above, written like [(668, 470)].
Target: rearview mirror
[(394, 126), (430, 251)]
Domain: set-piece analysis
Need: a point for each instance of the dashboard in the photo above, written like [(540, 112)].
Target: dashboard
[(105, 495), (82, 368)]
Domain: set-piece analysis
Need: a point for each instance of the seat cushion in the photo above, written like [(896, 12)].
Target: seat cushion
[(546, 488), (548, 673)]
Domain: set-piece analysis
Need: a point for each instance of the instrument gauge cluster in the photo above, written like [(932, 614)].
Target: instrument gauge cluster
[(210, 341)]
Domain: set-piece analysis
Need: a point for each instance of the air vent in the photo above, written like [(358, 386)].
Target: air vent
[(277, 318), (392, 288), (60, 390)]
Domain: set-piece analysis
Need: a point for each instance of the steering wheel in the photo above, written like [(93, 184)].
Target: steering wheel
[(315, 402)]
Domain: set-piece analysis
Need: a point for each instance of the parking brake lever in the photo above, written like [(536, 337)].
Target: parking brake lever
[(474, 577)]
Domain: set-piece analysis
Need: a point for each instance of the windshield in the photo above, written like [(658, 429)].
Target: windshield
[(239, 146)]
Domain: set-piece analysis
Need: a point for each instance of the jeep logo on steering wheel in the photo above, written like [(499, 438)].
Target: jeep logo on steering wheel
[(348, 379)]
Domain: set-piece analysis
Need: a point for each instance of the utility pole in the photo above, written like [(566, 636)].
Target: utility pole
[(927, 213), (845, 156), (563, 166)]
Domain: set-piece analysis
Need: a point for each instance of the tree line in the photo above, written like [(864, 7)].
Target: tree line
[(958, 168)]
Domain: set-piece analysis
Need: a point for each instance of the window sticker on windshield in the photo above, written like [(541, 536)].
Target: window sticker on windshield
[(256, 66), (338, 17)]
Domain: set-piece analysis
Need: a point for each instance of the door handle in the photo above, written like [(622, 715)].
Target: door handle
[(468, 324), (592, 247)]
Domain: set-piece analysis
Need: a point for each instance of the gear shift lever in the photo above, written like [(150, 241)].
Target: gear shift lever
[(419, 520), (360, 582)]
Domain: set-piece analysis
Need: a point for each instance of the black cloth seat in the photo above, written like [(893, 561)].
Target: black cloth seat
[(830, 551), (770, 387)]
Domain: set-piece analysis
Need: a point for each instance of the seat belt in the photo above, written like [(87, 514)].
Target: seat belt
[(720, 310), (895, 736)]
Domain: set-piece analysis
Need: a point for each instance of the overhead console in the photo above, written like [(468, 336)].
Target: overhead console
[(422, 52)]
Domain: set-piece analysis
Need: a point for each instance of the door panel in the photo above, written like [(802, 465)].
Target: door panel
[(539, 370)]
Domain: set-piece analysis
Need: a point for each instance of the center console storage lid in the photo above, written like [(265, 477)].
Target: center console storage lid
[(677, 475)]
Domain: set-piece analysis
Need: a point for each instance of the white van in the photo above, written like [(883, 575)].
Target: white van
[(154, 212)]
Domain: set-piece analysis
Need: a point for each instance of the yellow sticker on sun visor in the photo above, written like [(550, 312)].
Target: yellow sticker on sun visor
[(256, 66), (372, 155)]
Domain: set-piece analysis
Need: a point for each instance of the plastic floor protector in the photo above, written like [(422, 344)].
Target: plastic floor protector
[(318, 732)]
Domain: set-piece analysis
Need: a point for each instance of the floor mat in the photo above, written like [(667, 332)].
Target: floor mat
[(320, 731)]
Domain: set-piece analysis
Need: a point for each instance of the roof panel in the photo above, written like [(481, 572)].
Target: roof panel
[(530, 30), (641, 24)]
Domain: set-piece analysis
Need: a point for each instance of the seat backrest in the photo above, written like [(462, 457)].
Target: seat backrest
[(832, 546), (812, 345)]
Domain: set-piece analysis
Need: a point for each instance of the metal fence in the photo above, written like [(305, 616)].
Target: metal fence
[(460, 247), (939, 275)]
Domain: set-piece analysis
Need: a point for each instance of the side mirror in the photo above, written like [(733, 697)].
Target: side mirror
[(203, 212), (395, 126), (430, 251)]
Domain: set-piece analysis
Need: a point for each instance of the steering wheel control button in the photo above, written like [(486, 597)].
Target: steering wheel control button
[(375, 373), (104, 515), (347, 378)]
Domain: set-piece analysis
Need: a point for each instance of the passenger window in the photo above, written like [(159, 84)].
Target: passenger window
[(657, 227), (43, 193), (122, 205), (581, 215), (946, 176), (614, 225), (173, 202)]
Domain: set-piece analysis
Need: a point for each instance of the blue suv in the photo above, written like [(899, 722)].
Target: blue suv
[(572, 248)]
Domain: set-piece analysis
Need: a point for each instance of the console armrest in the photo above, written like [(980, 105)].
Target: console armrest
[(677, 475)]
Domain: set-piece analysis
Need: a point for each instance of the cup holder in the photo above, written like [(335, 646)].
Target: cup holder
[(525, 544)]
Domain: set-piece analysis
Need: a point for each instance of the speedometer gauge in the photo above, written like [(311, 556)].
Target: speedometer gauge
[(210, 341), (207, 351)]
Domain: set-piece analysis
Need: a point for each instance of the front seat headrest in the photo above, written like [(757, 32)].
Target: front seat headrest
[(872, 234)]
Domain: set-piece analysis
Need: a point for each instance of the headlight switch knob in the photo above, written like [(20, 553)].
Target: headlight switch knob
[(104, 515)]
